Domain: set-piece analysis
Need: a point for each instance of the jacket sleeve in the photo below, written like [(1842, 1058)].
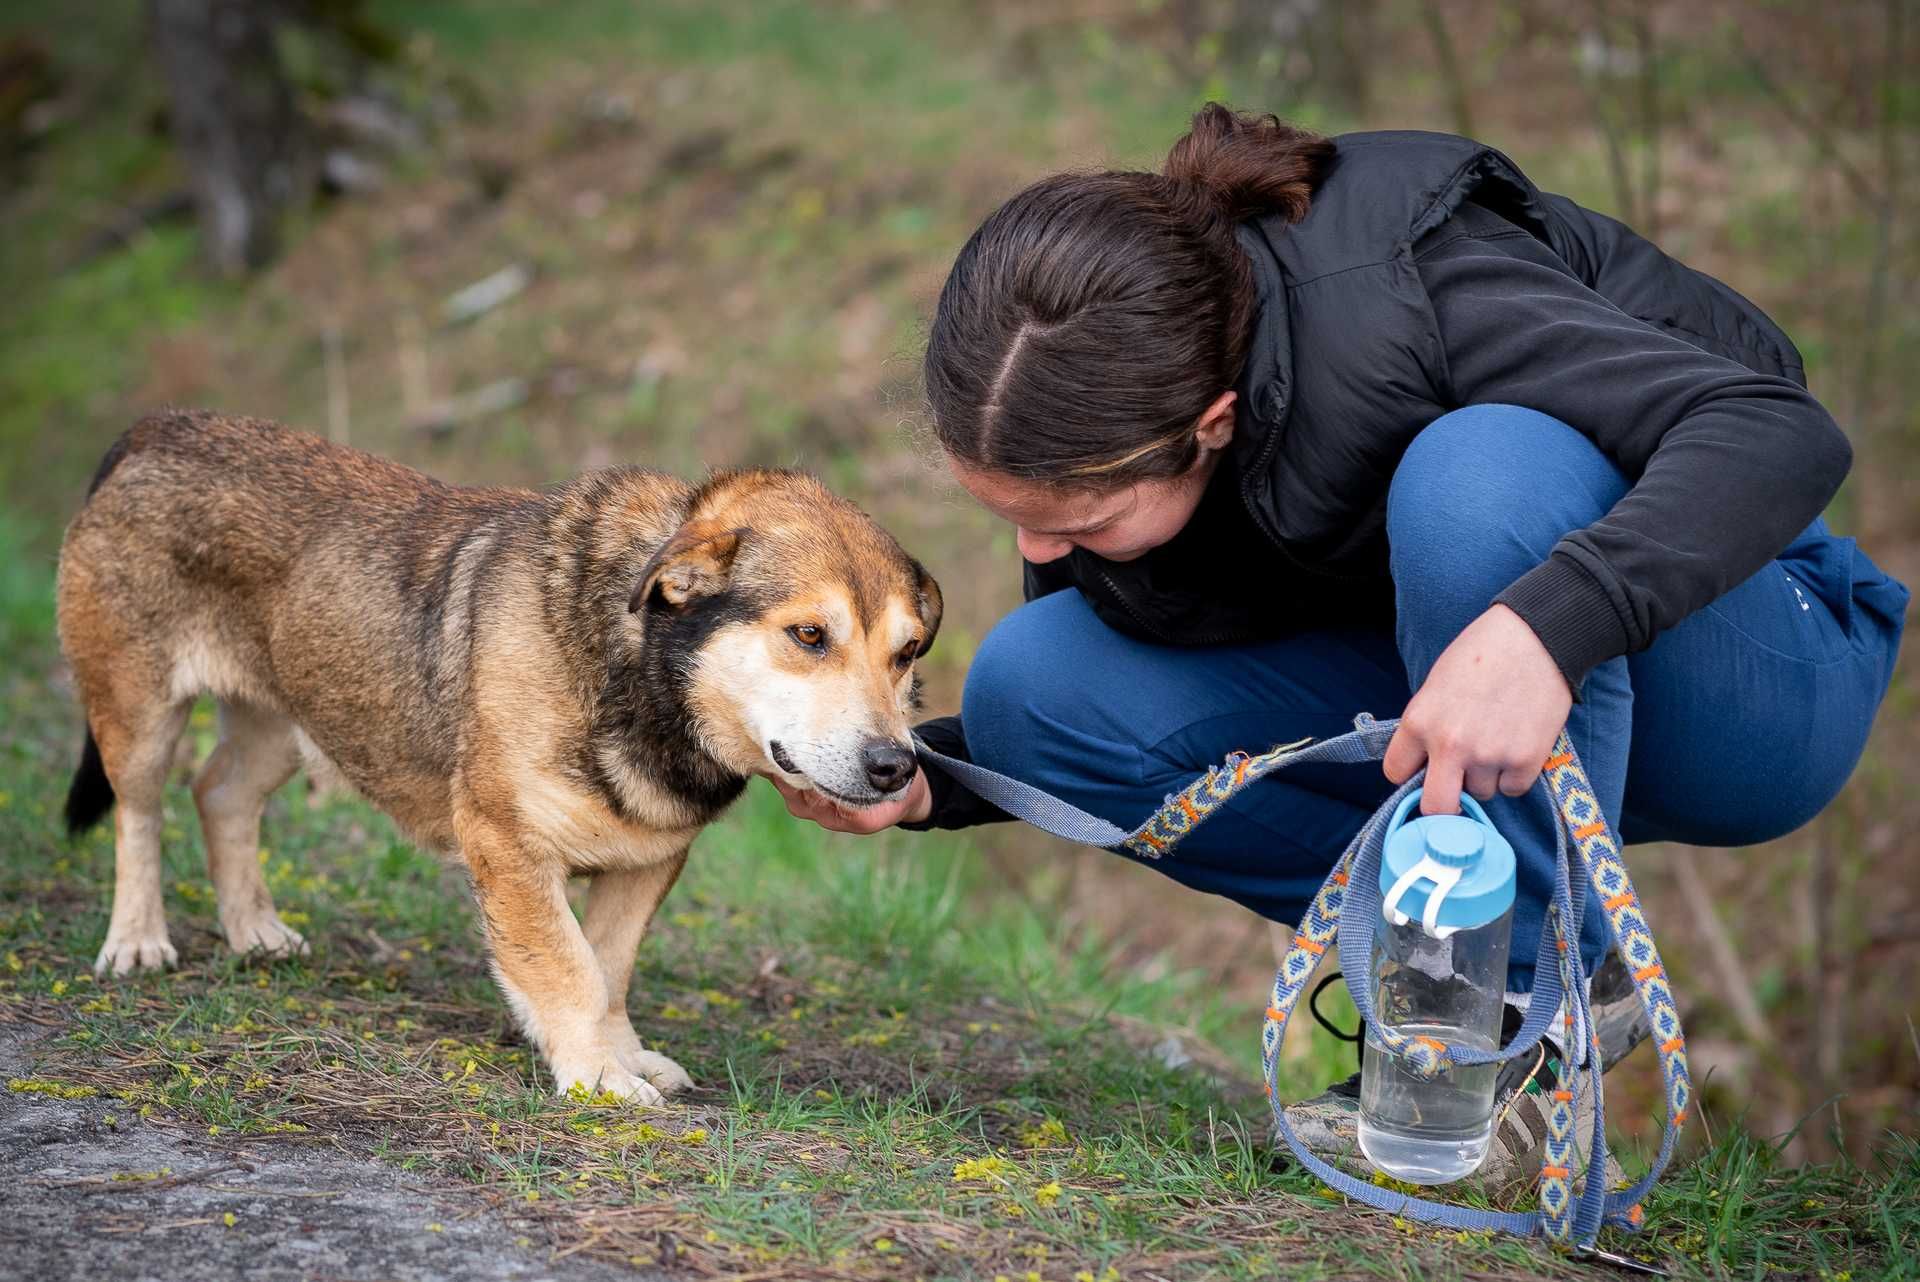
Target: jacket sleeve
[(1636, 276), (953, 805), (1727, 465)]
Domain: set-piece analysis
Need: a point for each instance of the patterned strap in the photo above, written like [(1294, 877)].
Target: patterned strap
[(1560, 993), (1559, 988), (1180, 813)]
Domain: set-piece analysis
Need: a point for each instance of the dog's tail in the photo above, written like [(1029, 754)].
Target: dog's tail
[(91, 795)]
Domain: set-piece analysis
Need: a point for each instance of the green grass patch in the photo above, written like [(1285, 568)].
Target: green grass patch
[(902, 1071)]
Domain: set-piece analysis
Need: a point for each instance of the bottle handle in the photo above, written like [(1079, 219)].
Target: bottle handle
[(1443, 878)]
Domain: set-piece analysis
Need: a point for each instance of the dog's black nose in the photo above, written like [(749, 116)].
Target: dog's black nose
[(889, 766)]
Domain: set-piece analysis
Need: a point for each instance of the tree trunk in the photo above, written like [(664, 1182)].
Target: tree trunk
[(235, 123)]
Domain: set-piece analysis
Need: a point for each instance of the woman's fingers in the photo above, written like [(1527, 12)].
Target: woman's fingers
[(1516, 780), (805, 803), (1484, 717), (1446, 771), (1405, 754), (1440, 791), (1483, 781)]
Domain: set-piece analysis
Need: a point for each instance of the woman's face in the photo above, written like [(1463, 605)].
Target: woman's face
[(1114, 524)]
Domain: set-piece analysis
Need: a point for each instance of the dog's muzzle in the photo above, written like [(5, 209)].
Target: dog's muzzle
[(889, 766)]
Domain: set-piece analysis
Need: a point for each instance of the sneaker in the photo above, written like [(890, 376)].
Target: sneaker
[(1329, 1124), (1524, 1099)]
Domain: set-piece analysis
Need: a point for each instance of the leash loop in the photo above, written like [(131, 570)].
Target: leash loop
[(1352, 889)]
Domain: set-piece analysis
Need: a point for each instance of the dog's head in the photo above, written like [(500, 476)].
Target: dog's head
[(792, 621)]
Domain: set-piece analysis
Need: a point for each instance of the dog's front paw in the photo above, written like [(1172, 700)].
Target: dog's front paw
[(130, 950), (595, 1075), (264, 934), (667, 1077)]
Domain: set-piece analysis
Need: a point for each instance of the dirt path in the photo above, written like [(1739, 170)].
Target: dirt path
[(80, 1198)]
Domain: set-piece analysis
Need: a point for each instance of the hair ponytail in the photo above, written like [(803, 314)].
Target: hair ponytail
[(1091, 319), (1249, 165)]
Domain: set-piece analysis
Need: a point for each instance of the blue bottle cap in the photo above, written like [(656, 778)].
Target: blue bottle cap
[(1468, 842)]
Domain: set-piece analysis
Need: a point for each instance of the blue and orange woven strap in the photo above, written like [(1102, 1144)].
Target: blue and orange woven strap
[(1180, 813), (1559, 995), (1353, 887)]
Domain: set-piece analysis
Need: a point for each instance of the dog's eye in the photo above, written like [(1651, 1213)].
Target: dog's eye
[(810, 635), (904, 659)]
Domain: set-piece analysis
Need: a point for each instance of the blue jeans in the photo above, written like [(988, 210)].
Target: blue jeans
[(1734, 727)]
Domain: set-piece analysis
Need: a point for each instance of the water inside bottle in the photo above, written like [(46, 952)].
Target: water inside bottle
[(1426, 1130)]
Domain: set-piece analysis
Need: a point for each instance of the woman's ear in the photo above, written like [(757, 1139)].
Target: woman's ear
[(1214, 431)]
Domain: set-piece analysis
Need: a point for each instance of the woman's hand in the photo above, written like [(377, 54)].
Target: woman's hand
[(911, 806), (1486, 717)]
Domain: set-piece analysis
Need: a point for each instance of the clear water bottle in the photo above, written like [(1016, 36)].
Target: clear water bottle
[(1439, 970)]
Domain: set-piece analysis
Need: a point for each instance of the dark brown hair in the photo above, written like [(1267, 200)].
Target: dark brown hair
[(1092, 318)]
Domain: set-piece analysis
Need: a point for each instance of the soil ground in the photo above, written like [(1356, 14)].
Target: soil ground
[(93, 1192)]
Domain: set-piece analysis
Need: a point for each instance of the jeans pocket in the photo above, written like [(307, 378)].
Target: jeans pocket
[(1869, 603)]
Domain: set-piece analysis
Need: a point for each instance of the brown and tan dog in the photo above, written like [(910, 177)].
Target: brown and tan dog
[(538, 684)]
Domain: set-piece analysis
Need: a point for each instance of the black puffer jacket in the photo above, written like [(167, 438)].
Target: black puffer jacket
[(1431, 274)]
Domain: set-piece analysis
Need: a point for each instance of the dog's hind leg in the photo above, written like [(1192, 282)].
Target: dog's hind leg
[(136, 740), (256, 754), (620, 904)]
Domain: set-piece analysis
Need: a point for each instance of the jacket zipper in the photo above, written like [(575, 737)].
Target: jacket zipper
[(1212, 638), (1319, 571), (1260, 461)]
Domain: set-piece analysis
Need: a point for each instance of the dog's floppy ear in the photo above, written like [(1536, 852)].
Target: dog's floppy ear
[(695, 563), (927, 597)]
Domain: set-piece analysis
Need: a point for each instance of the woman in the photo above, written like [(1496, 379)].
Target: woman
[(1301, 427)]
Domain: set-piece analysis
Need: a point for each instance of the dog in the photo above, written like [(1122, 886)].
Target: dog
[(535, 684)]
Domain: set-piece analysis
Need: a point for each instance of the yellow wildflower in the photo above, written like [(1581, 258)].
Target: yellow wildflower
[(229, 1219), (1049, 1193), (994, 1167), (1046, 1134), (44, 1086)]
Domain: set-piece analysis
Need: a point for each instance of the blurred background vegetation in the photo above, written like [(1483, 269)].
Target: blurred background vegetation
[(505, 240)]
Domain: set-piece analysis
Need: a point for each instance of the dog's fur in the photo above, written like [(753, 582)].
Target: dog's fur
[(537, 684)]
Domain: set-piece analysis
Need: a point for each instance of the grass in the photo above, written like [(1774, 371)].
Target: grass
[(903, 1072), (906, 1068)]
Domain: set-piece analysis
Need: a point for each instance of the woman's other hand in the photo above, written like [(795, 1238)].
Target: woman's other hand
[(911, 806), (1485, 718)]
